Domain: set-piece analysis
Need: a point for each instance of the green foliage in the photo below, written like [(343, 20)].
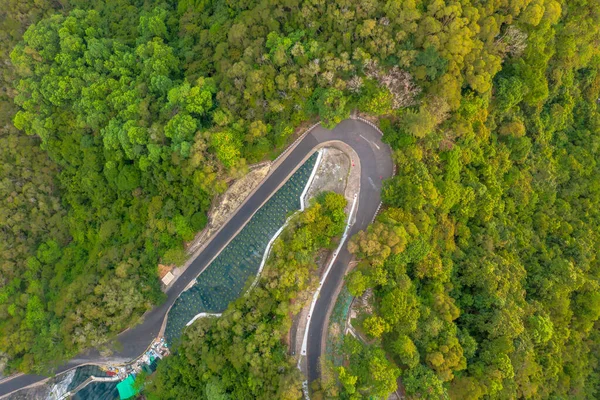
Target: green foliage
[(483, 265), (509, 93), (122, 197), (128, 179), (181, 128), (429, 63), (488, 238), (331, 105), (421, 383), (375, 100), (357, 282), (541, 328), (241, 354), (369, 373), (419, 123), (227, 147), (348, 381), (174, 256), (406, 351)]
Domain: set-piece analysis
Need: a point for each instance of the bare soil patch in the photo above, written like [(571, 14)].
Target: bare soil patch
[(331, 175)]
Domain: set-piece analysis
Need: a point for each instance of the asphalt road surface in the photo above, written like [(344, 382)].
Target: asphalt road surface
[(376, 165)]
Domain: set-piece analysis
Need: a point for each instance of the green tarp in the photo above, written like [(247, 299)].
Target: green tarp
[(126, 389)]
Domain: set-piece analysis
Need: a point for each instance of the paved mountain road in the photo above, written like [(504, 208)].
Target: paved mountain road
[(376, 165)]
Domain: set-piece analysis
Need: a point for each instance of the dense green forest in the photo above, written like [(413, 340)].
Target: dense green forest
[(129, 116), (241, 355), (485, 263)]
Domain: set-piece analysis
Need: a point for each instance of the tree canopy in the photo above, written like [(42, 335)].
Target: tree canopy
[(120, 121), (241, 354), (484, 262)]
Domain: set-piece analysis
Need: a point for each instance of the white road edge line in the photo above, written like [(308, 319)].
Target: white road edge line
[(318, 291), (370, 123), (374, 144)]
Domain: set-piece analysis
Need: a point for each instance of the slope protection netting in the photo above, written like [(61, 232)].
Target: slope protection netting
[(98, 391), (224, 279), (82, 373)]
